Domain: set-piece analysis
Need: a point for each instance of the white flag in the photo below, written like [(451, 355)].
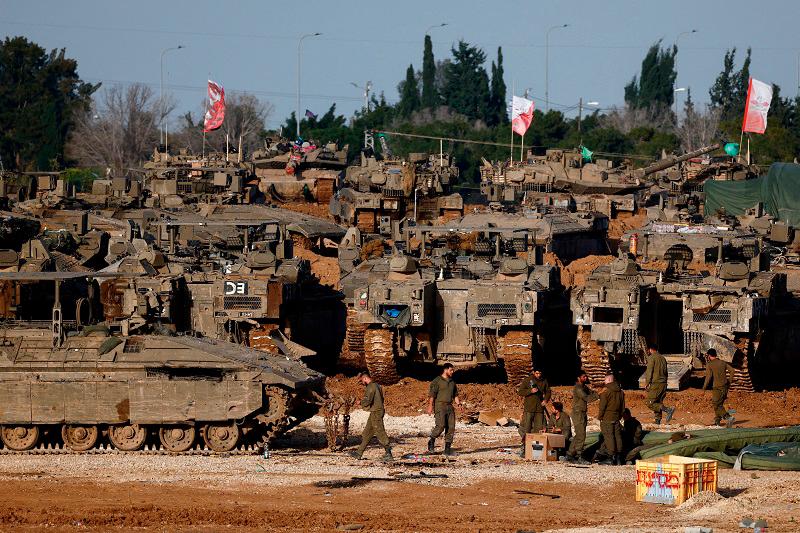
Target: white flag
[(759, 97), (521, 114)]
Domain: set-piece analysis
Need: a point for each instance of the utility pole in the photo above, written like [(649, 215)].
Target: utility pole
[(297, 111), (161, 94), (675, 65)]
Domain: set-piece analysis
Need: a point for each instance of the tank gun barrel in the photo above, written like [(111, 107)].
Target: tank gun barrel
[(673, 160)]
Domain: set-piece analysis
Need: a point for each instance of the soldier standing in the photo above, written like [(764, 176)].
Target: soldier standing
[(612, 403), (536, 392), (373, 403), (717, 372), (442, 394), (655, 381), (582, 395)]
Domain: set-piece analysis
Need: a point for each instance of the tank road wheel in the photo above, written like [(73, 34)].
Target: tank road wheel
[(20, 438), (127, 438), (380, 355), (177, 438), (594, 359), (515, 348), (79, 438), (742, 377), (221, 437), (274, 416), (352, 355)]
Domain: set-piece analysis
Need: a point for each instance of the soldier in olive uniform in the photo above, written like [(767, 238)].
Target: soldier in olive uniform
[(655, 382), (717, 377), (612, 404), (560, 423), (373, 402), (442, 394), (536, 392), (582, 395)]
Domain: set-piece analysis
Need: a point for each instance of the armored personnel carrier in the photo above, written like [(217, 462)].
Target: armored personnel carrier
[(81, 385), (470, 302), (379, 191), (623, 309), (299, 170)]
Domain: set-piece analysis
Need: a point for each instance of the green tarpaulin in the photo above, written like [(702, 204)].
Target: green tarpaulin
[(778, 190)]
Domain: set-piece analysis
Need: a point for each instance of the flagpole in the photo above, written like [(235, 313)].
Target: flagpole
[(522, 148), (511, 153)]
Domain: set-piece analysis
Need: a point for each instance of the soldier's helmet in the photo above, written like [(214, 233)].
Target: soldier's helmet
[(624, 266)]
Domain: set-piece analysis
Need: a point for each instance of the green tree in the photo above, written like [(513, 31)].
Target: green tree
[(655, 84), (430, 96), (409, 94), (466, 86), (497, 113), (40, 96), (729, 92)]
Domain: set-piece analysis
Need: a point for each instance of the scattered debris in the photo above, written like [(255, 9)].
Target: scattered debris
[(491, 417), (350, 527), (336, 412), (531, 493)]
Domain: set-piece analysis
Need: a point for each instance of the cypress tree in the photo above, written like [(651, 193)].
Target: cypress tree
[(409, 94), (429, 96)]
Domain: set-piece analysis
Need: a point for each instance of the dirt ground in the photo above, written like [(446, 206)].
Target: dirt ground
[(304, 487)]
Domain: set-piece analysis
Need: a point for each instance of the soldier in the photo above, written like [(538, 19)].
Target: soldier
[(536, 392), (655, 382), (581, 396), (560, 423), (442, 394), (373, 403), (717, 372), (612, 403)]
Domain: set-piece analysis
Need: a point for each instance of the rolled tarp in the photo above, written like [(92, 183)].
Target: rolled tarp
[(728, 441)]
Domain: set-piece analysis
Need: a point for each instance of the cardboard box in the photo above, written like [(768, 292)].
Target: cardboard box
[(673, 479), (543, 446)]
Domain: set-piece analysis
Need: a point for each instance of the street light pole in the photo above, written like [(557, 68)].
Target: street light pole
[(297, 111), (547, 65), (580, 113), (442, 25), (161, 94), (366, 88), (678, 90), (675, 65)]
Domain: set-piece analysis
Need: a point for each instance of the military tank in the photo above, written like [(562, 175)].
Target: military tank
[(78, 385), (625, 308), (299, 170), (599, 185), (471, 302), (379, 191)]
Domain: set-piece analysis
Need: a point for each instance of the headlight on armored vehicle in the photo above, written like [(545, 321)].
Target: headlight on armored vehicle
[(362, 299)]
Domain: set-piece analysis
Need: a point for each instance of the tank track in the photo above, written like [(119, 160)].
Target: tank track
[(352, 355), (380, 355), (594, 359), (515, 347), (265, 427), (324, 190), (742, 376)]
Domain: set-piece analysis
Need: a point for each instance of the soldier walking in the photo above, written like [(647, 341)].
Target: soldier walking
[(536, 392), (582, 395), (655, 382), (612, 404), (373, 403), (717, 377), (442, 394)]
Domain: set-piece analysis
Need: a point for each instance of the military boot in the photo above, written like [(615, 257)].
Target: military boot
[(448, 450), (717, 421), (619, 459), (355, 455), (431, 445), (388, 455), (657, 419), (670, 411)]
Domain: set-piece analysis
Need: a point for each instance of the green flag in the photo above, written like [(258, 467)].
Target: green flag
[(732, 149), (586, 154)]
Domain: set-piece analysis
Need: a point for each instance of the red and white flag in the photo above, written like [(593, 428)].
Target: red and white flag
[(521, 114), (759, 97), (215, 113)]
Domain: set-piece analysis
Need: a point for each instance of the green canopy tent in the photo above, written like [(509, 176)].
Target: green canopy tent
[(778, 191)]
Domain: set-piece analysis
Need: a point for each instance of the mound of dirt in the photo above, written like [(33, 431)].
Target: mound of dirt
[(576, 272), (326, 268), (625, 222)]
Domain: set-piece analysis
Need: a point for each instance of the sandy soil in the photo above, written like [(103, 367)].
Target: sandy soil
[(303, 487)]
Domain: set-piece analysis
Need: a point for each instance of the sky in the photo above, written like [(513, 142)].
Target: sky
[(251, 46)]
